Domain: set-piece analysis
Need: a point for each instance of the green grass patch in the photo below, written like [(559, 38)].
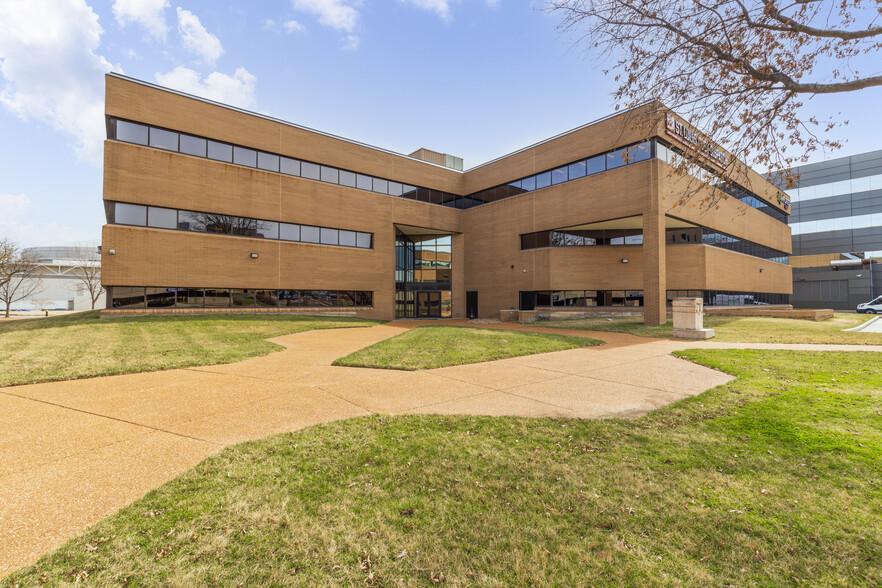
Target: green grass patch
[(743, 329), (433, 347), (771, 480), (82, 345)]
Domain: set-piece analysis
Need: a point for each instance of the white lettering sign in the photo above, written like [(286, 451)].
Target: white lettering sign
[(691, 138)]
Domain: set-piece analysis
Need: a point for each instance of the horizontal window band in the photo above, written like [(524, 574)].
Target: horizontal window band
[(169, 140), (124, 297), (156, 217)]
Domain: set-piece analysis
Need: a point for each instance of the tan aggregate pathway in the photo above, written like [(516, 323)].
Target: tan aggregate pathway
[(72, 453)]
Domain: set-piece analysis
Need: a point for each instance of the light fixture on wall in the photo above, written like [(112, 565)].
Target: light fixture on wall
[(254, 256), (112, 251), (625, 260), (762, 269)]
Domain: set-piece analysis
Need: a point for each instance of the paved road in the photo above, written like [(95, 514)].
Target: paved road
[(74, 452)]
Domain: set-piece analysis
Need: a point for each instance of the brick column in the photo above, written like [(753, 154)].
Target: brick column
[(654, 266)]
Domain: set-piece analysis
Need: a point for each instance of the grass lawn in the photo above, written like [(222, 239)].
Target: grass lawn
[(82, 345), (433, 347), (773, 479), (743, 329)]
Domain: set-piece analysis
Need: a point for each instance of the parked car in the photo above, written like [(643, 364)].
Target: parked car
[(871, 307)]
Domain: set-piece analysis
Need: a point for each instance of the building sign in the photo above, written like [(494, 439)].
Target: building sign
[(690, 137), (783, 200)]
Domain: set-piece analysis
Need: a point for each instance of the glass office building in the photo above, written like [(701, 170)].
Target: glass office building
[(837, 231)]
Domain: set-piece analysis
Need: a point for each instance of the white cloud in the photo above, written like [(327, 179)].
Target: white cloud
[(269, 24), (236, 90), (42, 232), (340, 15), (196, 38), (292, 26), (439, 7), (52, 73), (351, 43), (149, 13), (10, 203)]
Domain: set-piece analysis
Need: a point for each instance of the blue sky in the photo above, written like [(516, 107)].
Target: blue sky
[(475, 78)]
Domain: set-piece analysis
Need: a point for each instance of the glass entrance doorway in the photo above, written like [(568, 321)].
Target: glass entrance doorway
[(423, 274), (428, 304)]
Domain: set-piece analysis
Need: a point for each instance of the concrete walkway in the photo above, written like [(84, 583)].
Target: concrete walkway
[(74, 452)]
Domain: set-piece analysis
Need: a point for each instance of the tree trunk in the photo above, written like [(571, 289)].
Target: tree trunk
[(7, 310)]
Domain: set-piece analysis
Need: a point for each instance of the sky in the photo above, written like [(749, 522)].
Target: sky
[(473, 78)]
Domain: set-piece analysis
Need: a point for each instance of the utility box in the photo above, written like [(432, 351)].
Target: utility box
[(689, 319)]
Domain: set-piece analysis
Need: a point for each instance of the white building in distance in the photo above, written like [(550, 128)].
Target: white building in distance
[(60, 273)]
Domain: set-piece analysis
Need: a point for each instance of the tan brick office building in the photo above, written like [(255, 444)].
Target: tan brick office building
[(212, 207)]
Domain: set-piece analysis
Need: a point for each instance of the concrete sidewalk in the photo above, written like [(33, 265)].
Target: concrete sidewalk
[(77, 451)]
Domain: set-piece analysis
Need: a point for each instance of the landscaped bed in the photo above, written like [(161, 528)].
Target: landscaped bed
[(434, 347), (742, 329), (773, 479), (82, 345)]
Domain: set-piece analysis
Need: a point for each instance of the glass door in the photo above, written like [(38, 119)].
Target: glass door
[(428, 304)]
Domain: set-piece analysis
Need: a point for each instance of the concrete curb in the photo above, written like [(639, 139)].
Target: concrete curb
[(863, 326)]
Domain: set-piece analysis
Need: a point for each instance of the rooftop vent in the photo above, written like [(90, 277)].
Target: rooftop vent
[(444, 159)]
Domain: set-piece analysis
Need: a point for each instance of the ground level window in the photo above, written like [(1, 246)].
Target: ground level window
[(161, 297)]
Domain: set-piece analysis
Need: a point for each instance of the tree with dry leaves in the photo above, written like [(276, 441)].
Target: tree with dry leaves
[(739, 70), (87, 270), (19, 274)]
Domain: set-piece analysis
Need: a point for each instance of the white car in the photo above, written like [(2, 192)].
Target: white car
[(871, 307)]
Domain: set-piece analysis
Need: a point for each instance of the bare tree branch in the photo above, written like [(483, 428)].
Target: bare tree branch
[(87, 271), (736, 69), (19, 274)]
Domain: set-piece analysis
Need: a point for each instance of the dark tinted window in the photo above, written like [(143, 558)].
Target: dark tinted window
[(131, 132), (163, 218), (269, 229), (217, 298), (363, 240), (160, 297), (268, 161), (543, 180), (309, 234), (559, 175), (127, 297), (616, 158), (193, 146), (329, 236), (364, 182), (289, 166), (310, 170), (243, 156), (596, 164), (577, 170), (130, 214), (543, 239), (347, 238), (330, 175), (163, 139), (347, 178), (243, 298), (220, 151), (289, 232), (190, 298)]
